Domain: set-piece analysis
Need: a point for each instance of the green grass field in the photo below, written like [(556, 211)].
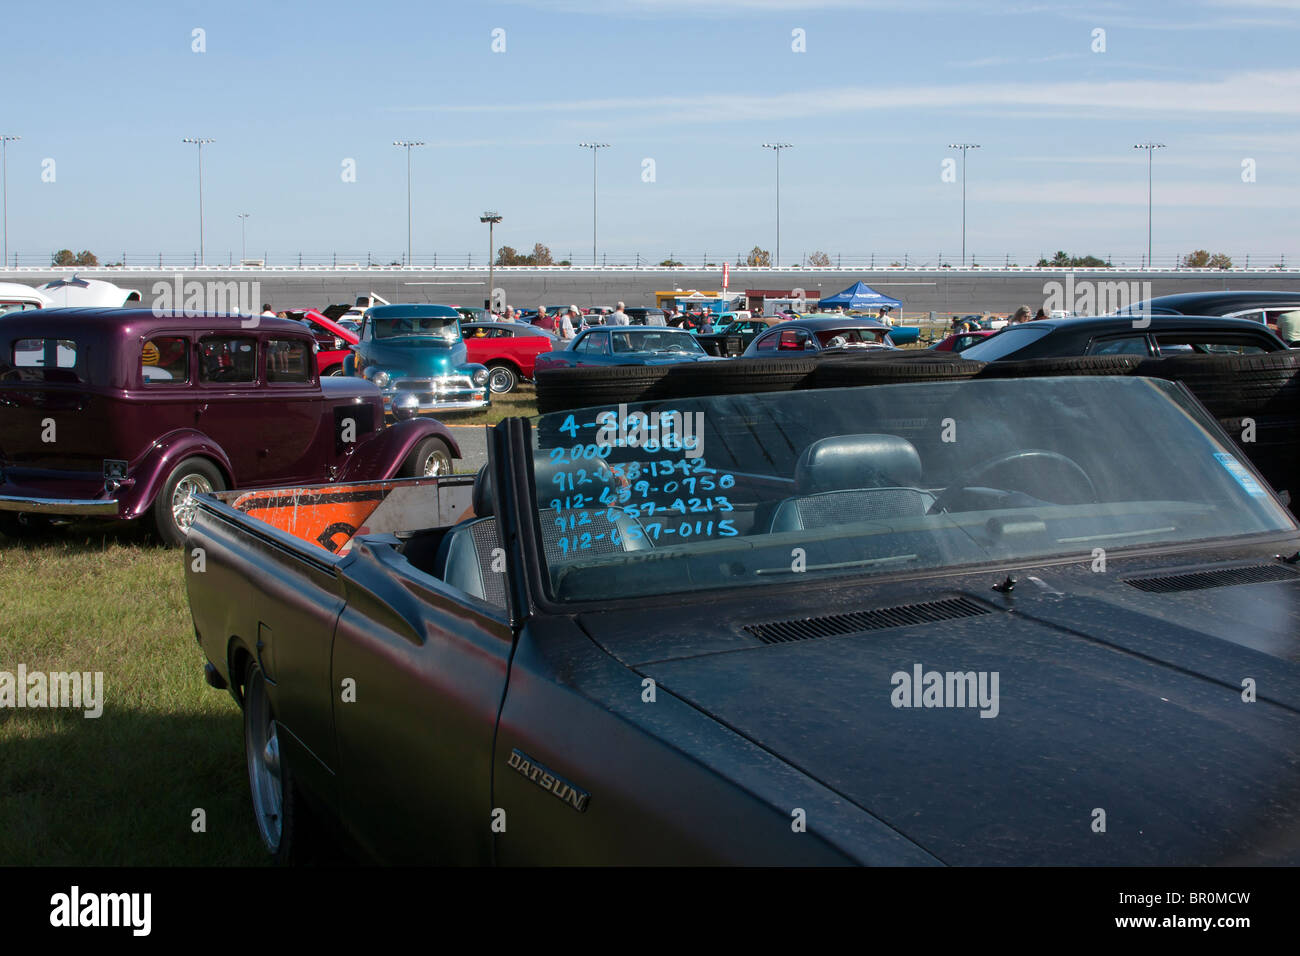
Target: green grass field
[(121, 788)]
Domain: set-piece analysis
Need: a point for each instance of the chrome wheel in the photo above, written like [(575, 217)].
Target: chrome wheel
[(262, 750), (436, 462), (501, 379), (183, 503)]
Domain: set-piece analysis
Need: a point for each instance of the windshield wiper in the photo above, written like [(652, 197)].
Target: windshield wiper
[(838, 565)]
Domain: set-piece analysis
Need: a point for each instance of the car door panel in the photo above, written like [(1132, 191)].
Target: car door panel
[(427, 666)]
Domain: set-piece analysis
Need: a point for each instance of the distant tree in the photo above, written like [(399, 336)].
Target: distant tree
[(1196, 260), (64, 257), (541, 256), (506, 256), (759, 257), (818, 258), (895, 265), (564, 262), (1063, 260), (671, 263)]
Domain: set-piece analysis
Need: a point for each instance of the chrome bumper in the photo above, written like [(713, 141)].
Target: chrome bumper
[(106, 508), (434, 402)]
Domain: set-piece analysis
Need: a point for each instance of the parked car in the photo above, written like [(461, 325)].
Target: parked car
[(416, 356), (960, 341), (334, 341), (625, 345), (15, 297), (734, 337), (820, 335), (1241, 304), (473, 313), (1156, 335), (76, 292), (893, 640), (127, 414), (508, 350), (638, 316)]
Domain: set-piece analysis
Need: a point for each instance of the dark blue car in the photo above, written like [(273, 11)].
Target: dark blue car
[(627, 345)]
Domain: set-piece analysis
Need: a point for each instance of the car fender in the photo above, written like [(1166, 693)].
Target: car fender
[(151, 471), (379, 457)]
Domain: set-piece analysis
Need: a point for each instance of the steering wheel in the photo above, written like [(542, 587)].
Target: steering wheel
[(971, 478)]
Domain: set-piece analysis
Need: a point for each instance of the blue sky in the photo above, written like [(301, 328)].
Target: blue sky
[(291, 90)]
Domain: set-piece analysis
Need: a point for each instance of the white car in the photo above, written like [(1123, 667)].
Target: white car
[(91, 293), (15, 297)]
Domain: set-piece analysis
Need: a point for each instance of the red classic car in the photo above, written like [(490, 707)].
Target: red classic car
[(334, 342), (508, 349), (960, 341), (128, 413)]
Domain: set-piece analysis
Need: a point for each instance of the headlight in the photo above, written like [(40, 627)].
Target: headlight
[(380, 379), (481, 377)]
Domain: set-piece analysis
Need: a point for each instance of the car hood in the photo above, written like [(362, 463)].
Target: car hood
[(1113, 705), (415, 355)]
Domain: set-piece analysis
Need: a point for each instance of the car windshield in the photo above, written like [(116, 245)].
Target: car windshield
[(655, 340), (1011, 339), (746, 490), (437, 327)]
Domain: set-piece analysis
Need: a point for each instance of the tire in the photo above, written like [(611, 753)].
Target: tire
[(1063, 365), (170, 514), (431, 457), (1235, 385), (1274, 450), (738, 377), (332, 371), (283, 823), (502, 378), (890, 369), (565, 389)]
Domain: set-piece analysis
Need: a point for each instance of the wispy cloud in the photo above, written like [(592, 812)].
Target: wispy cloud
[(1259, 93)]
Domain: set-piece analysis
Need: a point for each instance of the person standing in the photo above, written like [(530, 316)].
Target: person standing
[(619, 317), (544, 321), (566, 325), (1021, 315)]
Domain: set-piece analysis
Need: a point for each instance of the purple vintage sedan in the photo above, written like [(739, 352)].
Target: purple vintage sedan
[(124, 414)]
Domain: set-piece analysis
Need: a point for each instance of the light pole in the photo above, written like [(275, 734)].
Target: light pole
[(593, 147), (963, 147), (777, 147), (408, 145), (5, 140), (200, 143), (243, 240), (491, 218), (1150, 148)]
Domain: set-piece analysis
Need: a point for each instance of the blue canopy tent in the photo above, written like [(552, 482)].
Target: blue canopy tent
[(862, 296), (859, 296)]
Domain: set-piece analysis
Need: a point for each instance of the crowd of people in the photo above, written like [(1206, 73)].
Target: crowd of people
[(973, 323)]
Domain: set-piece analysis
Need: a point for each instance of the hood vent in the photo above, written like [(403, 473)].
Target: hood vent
[(1224, 577), (783, 632)]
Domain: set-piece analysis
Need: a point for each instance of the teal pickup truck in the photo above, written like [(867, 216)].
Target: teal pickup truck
[(416, 356)]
